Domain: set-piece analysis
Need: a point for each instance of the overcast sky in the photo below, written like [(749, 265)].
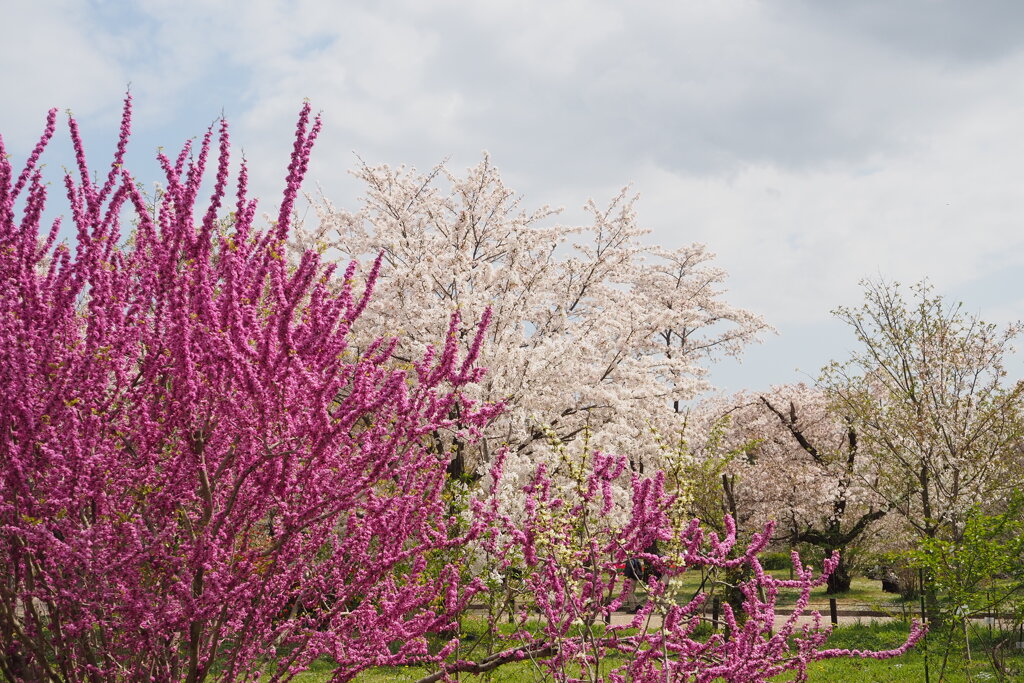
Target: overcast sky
[(808, 144)]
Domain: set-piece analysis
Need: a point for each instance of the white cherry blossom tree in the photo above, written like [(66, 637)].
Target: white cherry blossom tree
[(592, 329), (929, 396)]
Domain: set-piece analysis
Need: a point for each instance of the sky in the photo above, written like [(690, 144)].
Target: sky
[(809, 144)]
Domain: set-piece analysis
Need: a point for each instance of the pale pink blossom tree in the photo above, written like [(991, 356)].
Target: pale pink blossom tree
[(799, 463), (928, 392), (592, 330)]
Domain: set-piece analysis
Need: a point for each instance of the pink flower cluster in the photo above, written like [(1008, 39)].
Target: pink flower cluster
[(571, 556), (200, 476)]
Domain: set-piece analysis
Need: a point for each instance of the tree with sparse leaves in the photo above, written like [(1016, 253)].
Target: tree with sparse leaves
[(928, 395)]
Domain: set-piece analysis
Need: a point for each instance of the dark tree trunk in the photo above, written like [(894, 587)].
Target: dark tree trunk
[(457, 466), (736, 576), (839, 580), (732, 593)]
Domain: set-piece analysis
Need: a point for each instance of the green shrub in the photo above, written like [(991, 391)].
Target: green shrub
[(775, 560)]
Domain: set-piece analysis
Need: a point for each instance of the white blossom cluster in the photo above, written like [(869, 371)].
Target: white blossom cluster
[(592, 331)]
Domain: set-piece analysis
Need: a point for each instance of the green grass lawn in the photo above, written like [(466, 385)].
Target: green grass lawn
[(874, 636), (911, 666), (865, 594)]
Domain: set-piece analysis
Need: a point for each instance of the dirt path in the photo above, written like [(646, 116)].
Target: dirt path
[(847, 619)]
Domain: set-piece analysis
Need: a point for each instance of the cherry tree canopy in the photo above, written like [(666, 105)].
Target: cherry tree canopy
[(797, 461), (592, 329)]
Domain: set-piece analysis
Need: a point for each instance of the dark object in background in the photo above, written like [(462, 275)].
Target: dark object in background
[(641, 569), (890, 582)]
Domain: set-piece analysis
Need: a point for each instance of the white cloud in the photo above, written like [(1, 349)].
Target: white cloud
[(49, 59), (809, 144)]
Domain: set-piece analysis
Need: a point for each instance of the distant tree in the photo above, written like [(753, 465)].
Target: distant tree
[(591, 330), (928, 396), (199, 476)]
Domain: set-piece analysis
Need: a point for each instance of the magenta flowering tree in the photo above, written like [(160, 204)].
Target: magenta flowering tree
[(198, 477), (569, 552)]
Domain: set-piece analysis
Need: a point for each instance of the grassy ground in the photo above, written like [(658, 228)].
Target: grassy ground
[(864, 594), (911, 667), (875, 636)]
